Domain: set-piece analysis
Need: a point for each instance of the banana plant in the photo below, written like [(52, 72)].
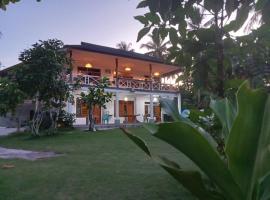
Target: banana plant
[(245, 174)]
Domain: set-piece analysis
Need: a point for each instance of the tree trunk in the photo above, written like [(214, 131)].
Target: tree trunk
[(220, 56), (37, 118), (91, 118)]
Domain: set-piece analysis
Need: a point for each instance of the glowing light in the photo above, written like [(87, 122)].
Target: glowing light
[(125, 99), (155, 99), (156, 74), (127, 69), (88, 65)]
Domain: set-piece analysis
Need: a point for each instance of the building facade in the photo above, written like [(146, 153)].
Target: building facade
[(137, 82)]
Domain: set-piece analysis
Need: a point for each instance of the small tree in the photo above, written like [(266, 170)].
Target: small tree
[(10, 97), (96, 97)]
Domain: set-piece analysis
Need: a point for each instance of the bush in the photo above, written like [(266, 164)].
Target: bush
[(66, 119)]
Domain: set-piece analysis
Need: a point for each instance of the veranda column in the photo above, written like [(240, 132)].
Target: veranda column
[(117, 119), (151, 120), (179, 103)]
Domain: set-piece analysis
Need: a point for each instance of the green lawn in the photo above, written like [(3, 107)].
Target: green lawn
[(103, 165)]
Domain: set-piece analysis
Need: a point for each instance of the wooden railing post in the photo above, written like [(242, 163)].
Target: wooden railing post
[(116, 73)]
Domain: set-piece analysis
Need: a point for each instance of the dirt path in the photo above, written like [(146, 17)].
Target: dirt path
[(24, 154)]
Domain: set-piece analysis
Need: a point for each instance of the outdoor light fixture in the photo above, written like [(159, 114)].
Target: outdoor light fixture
[(127, 69), (155, 99), (156, 74), (88, 65), (125, 99)]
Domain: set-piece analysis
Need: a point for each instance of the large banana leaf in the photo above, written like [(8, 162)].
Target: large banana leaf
[(247, 147), (191, 180), (190, 141), (226, 114)]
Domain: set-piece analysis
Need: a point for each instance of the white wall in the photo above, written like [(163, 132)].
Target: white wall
[(139, 105)]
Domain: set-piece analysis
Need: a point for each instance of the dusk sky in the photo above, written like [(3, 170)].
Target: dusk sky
[(105, 22)]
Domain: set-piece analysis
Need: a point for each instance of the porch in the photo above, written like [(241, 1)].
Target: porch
[(127, 108)]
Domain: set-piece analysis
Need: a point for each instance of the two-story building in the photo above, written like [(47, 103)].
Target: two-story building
[(137, 83)]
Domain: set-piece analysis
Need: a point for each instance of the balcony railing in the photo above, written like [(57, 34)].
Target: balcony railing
[(127, 83)]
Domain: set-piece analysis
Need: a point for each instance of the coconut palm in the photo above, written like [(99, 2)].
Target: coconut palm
[(157, 47), (124, 46)]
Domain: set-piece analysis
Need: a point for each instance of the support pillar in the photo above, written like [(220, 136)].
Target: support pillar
[(179, 103), (151, 120), (117, 119)]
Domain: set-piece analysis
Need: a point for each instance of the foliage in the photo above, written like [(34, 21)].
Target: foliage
[(125, 46), (4, 3), (10, 96), (156, 47), (252, 57), (43, 76), (200, 34), (96, 96), (65, 119), (245, 173)]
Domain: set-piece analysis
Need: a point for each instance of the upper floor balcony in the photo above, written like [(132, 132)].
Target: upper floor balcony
[(125, 70), (133, 84)]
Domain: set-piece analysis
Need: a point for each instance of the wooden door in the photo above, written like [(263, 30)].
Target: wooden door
[(126, 109), (97, 114), (83, 112), (157, 113)]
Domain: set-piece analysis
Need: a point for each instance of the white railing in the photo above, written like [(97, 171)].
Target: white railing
[(127, 83)]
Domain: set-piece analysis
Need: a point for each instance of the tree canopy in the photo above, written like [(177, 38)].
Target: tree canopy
[(200, 33)]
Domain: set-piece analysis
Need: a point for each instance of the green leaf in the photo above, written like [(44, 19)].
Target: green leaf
[(263, 189), (152, 17), (173, 36), (142, 33), (151, 127), (191, 180), (143, 4), (248, 143), (142, 19), (189, 141), (261, 4), (225, 112), (138, 141), (170, 108), (241, 17)]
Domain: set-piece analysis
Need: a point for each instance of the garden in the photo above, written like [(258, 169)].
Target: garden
[(215, 148)]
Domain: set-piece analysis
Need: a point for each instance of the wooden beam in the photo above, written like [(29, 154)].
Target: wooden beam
[(116, 72)]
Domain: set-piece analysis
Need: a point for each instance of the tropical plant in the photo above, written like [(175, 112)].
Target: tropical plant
[(42, 76), (4, 3), (10, 96), (156, 47), (200, 34), (65, 119), (245, 173), (125, 46), (96, 96)]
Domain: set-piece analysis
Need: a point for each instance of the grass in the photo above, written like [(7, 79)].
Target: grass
[(99, 166)]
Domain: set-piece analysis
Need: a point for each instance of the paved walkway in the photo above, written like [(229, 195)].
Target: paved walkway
[(24, 154), (7, 131)]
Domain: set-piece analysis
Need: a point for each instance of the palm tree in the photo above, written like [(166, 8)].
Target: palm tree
[(156, 47), (124, 46)]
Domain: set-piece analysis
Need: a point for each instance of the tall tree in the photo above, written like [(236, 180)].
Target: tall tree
[(125, 46), (42, 75), (157, 47), (200, 32), (96, 96)]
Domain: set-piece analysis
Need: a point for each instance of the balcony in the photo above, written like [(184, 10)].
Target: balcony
[(128, 83)]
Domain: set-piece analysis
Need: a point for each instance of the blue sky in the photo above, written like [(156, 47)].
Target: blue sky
[(104, 22)]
